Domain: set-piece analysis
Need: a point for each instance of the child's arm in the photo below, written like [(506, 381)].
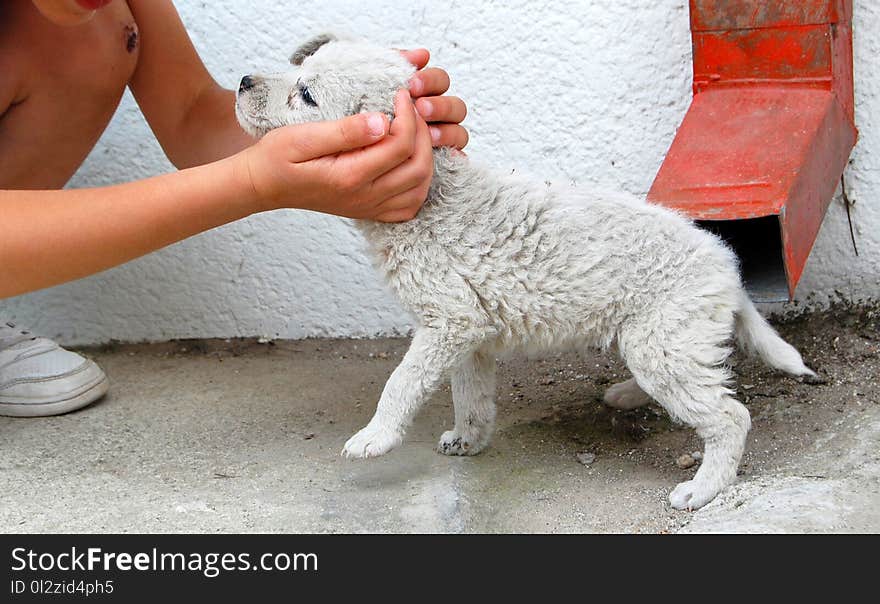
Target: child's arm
[(354, 167), (191, 115)]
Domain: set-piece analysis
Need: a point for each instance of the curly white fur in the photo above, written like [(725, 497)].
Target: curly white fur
[(495, 264)]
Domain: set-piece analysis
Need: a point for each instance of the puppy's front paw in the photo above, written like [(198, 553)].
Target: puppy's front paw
[(453, 443), (372, 441)]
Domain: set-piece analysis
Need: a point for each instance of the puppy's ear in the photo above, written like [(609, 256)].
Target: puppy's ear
[(310, 48)]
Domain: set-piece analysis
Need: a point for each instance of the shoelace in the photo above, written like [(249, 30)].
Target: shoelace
[(10, 335)]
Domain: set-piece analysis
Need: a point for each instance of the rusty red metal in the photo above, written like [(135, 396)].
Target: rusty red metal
[(771, 125)]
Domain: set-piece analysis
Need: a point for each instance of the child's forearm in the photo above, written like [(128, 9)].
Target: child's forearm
[(50, 237), (356, 167), (210, 131)]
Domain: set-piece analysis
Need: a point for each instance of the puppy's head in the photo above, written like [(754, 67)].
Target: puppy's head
[(331, 79)]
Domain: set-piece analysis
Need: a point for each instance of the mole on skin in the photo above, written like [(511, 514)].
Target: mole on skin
[(131, 37)]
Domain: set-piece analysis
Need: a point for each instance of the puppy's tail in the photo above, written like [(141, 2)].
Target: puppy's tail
[(756, 336)]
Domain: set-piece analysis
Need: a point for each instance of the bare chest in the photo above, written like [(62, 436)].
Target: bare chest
[(66, 84)]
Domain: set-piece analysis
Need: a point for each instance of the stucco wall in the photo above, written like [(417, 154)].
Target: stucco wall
[(566, 90)]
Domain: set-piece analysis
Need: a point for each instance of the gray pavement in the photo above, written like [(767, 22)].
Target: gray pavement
[(239, 436)]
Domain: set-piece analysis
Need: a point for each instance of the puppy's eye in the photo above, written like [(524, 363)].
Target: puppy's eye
[(307, 96)]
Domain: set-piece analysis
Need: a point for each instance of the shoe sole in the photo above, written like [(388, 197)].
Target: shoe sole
[(85, 397)]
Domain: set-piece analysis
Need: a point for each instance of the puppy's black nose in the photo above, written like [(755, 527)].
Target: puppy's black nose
[(247, 82)]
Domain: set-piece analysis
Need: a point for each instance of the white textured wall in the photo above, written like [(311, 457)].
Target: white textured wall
[(589, 91)]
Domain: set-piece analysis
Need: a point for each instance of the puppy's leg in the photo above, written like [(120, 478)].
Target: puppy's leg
[(626, 395), (431, 355), (685, 376), (723, 423), (473, 394)]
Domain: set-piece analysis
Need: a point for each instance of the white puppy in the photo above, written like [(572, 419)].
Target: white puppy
[(494, 264)]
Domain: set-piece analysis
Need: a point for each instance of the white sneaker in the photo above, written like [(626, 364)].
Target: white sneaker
[(39, 378)]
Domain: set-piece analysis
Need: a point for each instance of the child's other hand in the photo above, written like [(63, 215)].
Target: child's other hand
[(444, 114)]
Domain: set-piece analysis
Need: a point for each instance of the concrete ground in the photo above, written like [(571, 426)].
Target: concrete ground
[(241, 436)]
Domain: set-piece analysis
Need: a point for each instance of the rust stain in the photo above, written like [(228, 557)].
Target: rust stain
[(765, 54), (711, 15)]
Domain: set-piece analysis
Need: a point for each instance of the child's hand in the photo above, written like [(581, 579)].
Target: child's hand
[(444, 114), (355, 167)]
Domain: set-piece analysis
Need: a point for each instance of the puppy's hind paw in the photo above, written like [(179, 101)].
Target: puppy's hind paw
[(626, 396), (692, 495), (371, 441)]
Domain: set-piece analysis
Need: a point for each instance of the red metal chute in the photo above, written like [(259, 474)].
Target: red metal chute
[(768, 135)]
